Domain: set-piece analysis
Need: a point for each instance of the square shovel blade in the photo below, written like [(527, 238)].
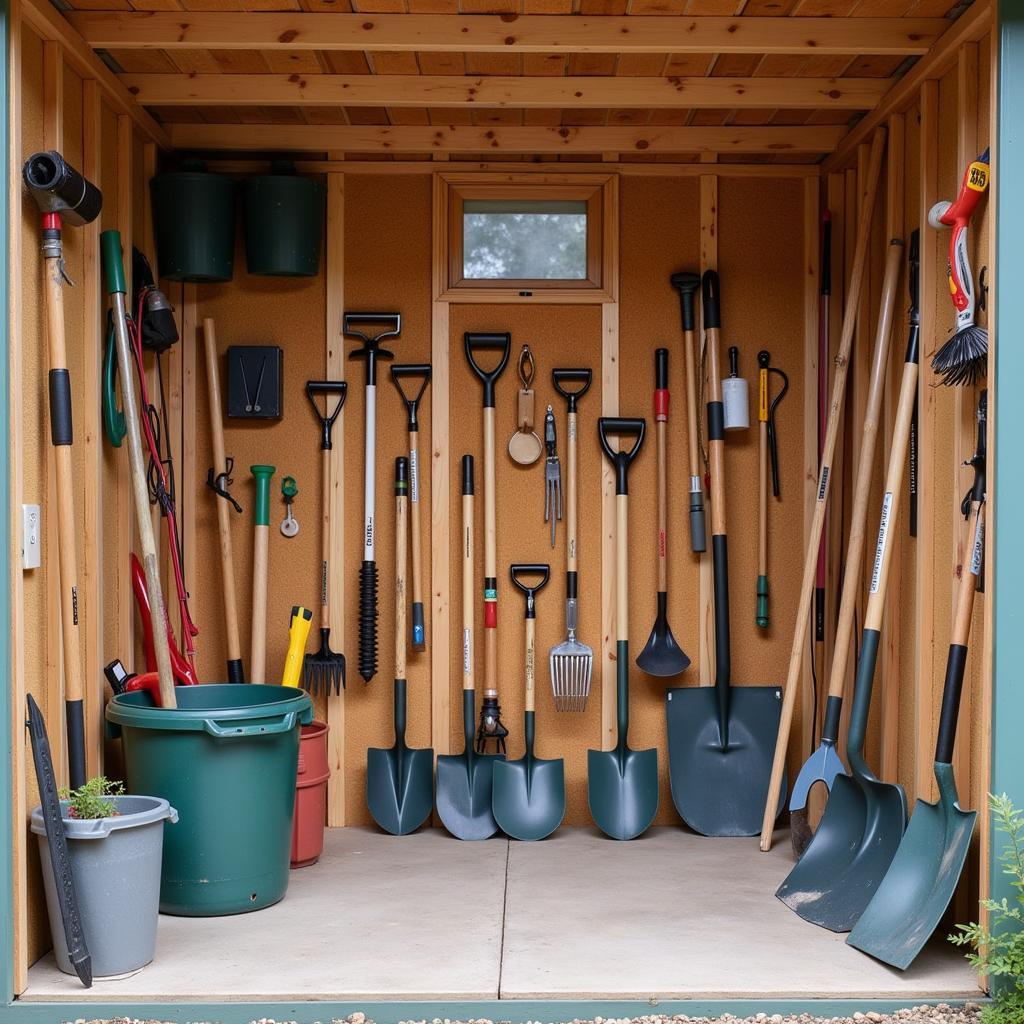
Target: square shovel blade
[(622, 790), (399, 787)]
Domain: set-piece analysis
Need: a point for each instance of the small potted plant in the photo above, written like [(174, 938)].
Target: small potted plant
[(115, 843)]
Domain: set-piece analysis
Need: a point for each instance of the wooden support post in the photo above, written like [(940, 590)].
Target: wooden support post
[(609, 407)]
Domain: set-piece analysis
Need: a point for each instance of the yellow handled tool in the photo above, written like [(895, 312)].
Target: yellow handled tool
[(298, 632)]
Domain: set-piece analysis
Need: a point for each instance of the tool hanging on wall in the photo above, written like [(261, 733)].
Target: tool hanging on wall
[(824, 327), (524, 446), (622, 784), (325, 668), (260, 554), (371, 352), (289, 491), (464, 781), (399, 780), (412, 404), (300, 621), (686, 282), (218, 479), (529, 794), (255, 382), (735, 395), (662, 656), (919, 885), (963, 359), (571, 662), (63, 196), (768, 455), (552, 475), (491, 729)]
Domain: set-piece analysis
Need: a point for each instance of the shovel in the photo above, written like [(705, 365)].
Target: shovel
[(529, 794), (720, 739), (622, 784), (920, 882), (464, 780), (400, 781), (662, 656)]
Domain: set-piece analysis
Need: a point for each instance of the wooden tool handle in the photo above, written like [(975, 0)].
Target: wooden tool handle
[(325, 541), (258, 656), (401, 559), (531, 670), (490, 561), (571, 552), (468, 624), (622, 568), (796, 656), (689, 344), (414, 524), (716, 436)]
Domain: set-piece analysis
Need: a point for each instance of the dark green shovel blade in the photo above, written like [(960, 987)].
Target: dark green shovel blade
[(399, 787), (921, 879), (464, 794), (722, 792), (852, 849), (529, 797), (622, 790)]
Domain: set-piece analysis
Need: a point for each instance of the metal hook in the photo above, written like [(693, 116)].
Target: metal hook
[(527, 367)]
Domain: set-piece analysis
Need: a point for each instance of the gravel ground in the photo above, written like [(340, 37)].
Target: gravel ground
[(969, 1013)]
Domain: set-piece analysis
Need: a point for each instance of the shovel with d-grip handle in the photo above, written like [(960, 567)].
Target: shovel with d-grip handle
[(62, 194), (491, 727), (325, 667)]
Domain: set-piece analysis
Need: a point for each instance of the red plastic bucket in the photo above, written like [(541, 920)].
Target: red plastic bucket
[(310, 796)]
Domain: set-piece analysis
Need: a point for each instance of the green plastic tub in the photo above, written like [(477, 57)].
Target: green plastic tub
[(226, 759), (284, 223)]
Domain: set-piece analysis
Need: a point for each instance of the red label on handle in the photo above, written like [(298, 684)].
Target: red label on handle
[(491, 614), (661, 405)]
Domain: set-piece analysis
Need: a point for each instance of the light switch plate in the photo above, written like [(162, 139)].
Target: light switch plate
[(31, 537)]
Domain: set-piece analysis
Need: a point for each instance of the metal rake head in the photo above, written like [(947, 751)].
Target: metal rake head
[(571, 664), (323, 670)]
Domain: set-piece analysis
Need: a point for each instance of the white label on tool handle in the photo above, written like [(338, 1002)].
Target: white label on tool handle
[(823, 483), (414, 476), (883, 536), (467, 652), (978, 550)]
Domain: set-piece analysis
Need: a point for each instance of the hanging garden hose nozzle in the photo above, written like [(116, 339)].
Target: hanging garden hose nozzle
[(63, 194), (371, 352), (963, 359)]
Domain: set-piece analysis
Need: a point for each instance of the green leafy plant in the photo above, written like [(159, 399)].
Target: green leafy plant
[(94, 799), (998, 950)]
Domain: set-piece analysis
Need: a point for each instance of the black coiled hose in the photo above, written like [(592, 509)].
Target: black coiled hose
[(368, 620)]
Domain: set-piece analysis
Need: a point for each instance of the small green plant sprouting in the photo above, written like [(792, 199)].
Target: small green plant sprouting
[(94, 799), (998, 950)]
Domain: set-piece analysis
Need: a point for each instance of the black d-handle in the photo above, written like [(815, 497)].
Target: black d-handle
[(402, 371), (710, 297), (582, 376), (520, 569), (686, 282), (618, 426), (326, 387), (392, 323), (479, 341)]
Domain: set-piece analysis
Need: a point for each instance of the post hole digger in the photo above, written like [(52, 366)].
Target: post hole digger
[(720, 738), (371, 352)]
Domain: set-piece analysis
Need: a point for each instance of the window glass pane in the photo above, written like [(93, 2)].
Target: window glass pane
[(510, 239)]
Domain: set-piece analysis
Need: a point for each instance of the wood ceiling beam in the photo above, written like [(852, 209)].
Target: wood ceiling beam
[(468, 91), (488, 33), (448, 139)]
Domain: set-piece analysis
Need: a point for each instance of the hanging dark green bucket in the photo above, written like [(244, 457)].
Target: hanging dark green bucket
[(284, 223), (226, 758), (194, 221)]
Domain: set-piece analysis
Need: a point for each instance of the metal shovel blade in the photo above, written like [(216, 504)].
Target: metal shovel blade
[(662, 656), (464, 794), (721, 791), (852, 849), (529, 797), (622, 790), (921, 879), (824, 765)]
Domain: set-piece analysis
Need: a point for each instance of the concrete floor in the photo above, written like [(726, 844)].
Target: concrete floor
[(671, 915)]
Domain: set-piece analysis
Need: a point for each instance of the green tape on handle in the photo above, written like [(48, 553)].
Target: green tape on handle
[(263, 475), (762, 601), (113, 264)]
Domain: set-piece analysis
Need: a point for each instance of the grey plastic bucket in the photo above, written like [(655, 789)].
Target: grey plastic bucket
[(115, 863)]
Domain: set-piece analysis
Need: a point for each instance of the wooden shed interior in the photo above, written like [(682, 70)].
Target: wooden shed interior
[(717, 131)]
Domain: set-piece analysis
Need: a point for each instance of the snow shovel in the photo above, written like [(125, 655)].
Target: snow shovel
[(622, 784), (529, 794), (920, 882), (464, 780), (662, 656), (721, 738), (400, 781)]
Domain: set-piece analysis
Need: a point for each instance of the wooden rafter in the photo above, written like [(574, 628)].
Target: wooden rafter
[(482, 33)]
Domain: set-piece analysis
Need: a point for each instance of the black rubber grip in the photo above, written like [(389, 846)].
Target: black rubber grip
[(720, 558), (401, 476), (350, 320), (582, 376), (826, 255), (833, 714), (368, 620), (819, 615), (711, 297), (951, 691), (236, 674), (698, 525), (686, 282), (734, 361), (475, 340), (621, 460), (716, 421), (530, 569), (467, 474), (326, 387), (571, 586), (914, 276), (58, 188), (61, 431), (74, 715), (661, 368)]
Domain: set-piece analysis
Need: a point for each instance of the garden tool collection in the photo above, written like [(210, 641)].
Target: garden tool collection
[(686, 282), (399, 780), (371, 352), (524, 446), (491, 729), (300, 621), (289, 491), (464, 781), (662, 656), (400, 372), (768, 455), (622, 784), (260, 556), (219, 481), (529, 794), (324, 669), (963, 359), (916, 890), (720, 738), (552, 475), (571, 662), (64, 196)]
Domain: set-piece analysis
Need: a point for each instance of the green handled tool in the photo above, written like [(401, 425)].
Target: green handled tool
[(260, 551)]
